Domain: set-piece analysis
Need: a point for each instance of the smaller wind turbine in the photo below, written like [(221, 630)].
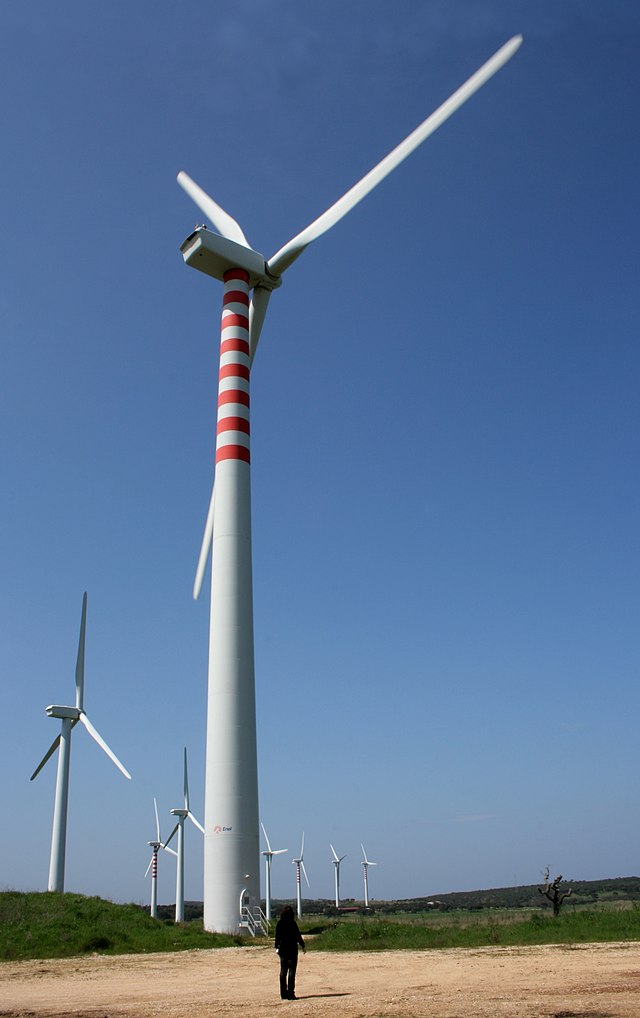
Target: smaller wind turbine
[(366, 863), (153, 863), (268, 857), (182, 815), (299, 865), (69, 717), (336, 862)]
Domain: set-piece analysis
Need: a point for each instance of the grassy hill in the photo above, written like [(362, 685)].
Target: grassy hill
[(61, 925)]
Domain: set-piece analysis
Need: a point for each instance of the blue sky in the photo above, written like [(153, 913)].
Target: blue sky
[(444, 441)]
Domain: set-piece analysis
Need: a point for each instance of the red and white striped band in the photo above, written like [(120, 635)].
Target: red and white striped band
[(232, 441)]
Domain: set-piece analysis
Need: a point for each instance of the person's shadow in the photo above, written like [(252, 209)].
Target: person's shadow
[(313, 996)]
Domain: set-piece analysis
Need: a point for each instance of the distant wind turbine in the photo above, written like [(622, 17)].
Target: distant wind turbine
[(182, 815), (69, 717), (268, 856), (366, 863), (231, 849), (299, 865), (336, 862), (155, 846)]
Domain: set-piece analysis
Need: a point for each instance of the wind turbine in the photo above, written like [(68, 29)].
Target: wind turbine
[(155, 846), (268, 856), (366, 863), (231, 850), (299, 865), (182, 815), (69, 716), (336, 862)]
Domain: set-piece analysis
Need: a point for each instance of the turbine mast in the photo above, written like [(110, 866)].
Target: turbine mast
[(59, 833), (231, 844)]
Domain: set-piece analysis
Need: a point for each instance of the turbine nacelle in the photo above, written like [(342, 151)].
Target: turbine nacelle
[(72, 713), (214, 255)]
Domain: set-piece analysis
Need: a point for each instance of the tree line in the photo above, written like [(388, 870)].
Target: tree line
[(583, 892)]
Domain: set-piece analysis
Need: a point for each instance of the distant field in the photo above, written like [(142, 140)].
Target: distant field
[(461, 930)]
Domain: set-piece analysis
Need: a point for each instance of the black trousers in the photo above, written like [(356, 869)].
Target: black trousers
[(288, 966)]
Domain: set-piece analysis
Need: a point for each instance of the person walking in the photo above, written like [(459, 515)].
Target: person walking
[(288, 937)]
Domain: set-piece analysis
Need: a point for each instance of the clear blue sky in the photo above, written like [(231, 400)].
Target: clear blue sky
[(445, 433)]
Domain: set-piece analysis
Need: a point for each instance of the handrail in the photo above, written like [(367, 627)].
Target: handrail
[(254, 920)]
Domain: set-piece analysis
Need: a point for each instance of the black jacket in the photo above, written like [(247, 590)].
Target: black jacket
[(288, 937)]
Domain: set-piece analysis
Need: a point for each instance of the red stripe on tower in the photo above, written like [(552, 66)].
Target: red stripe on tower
[(231, 370), (236, 274), (233, 424), (235, 297), (232, 396), (232, 441), (233, 452), (235, 346), (229, 319)]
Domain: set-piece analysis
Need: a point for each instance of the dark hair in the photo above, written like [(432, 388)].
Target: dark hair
[(287, 912)]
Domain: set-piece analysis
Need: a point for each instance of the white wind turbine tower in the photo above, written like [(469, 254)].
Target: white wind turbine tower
[(155, 846), (69, 717), (268, 856), (299, 865), (366, 863), (231, 851), (182, 815), (336, 862)]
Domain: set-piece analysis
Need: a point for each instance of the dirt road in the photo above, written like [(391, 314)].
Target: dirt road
[(591, 981)]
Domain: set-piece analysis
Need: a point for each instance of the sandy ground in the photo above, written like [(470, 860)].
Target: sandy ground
[(592, 981)]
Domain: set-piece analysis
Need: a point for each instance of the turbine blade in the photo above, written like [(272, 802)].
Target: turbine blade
[(195, 822), (98, 738), (186, 782), (149, 866), (335, 854), (207, 539), (52, 748), (171, 835), (223, 222), (302, 848), (283, 258), (266, 836), (305, 873), (80, 657), (279, 851), (257, 311), (155, 806), (169, 850)]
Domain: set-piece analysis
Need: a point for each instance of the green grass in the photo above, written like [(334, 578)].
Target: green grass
[(594, 926), (61, 925), (65, 925)]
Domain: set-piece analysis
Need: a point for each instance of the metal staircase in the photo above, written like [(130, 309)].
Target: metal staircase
[(254, 921)]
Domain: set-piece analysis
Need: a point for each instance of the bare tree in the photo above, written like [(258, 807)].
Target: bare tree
[(551, 890)]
